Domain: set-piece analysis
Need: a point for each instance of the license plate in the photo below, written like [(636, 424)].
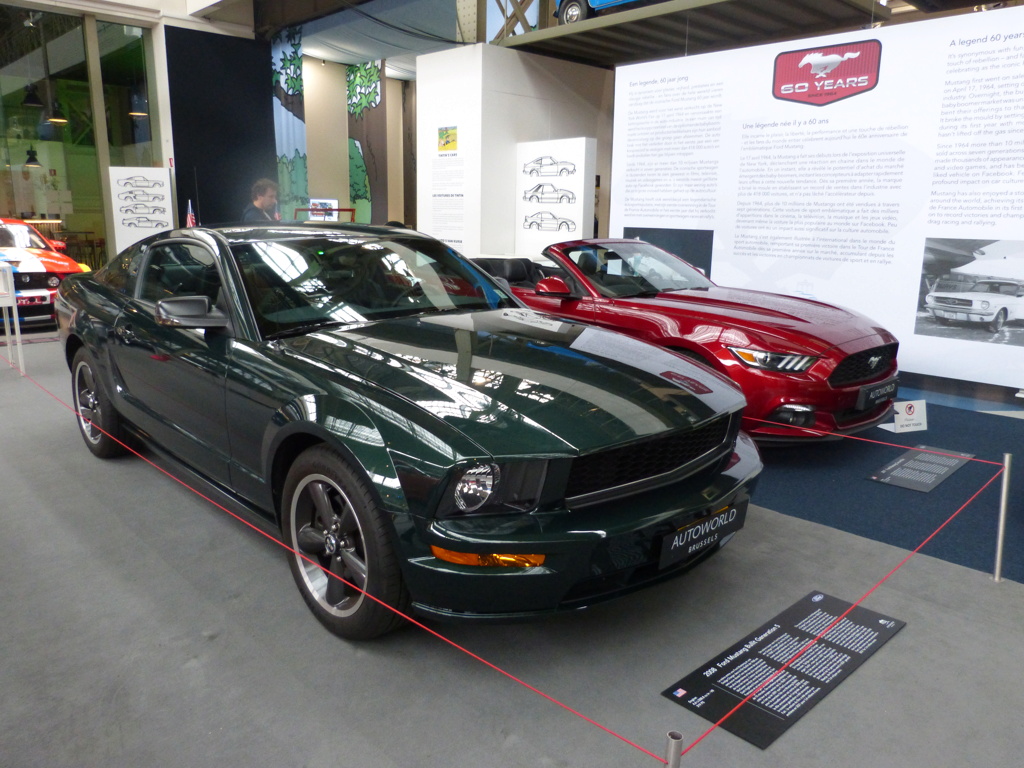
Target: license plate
[(707, 532), (873, 394)]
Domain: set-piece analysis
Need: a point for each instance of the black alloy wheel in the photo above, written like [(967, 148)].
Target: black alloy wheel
[(99, 423), (342, 554)]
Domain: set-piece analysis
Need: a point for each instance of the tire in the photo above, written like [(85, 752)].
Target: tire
[(100, 425), (572, 11), (563, 227), (564, 199), (329, 519), (998, 321), (534, 199), (534, 225)]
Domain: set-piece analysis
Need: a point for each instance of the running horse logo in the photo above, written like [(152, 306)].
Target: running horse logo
[(821, 64)]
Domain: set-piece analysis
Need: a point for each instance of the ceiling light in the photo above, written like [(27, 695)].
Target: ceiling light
[(56, 115), (32, 161), (32, 97)]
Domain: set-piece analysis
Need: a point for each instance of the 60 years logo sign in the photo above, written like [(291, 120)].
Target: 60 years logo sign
[(820, 76)]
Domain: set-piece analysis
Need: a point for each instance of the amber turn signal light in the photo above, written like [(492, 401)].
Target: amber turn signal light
[(472, 558)]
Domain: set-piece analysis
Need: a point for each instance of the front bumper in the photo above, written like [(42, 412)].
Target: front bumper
[(973, 316), (593, 554)]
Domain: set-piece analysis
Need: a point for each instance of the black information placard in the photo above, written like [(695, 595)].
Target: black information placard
[(919, 470), (726, 680)]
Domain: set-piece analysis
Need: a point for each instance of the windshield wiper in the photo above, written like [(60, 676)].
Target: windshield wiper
[(299, 330)]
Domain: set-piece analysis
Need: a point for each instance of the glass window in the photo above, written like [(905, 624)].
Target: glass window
[(126, 94), (179, 269)]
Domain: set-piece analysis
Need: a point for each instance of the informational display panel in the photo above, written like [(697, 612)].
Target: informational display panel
[(922, 468), (881, 170), (141, 203), (448, 189), (717, 687), (554, 191)]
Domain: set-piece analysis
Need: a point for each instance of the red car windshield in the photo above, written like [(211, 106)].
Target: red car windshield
[(21, 236), (635, 268)]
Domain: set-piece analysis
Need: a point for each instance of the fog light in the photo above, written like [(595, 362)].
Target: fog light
[(794, 415), (472, 558)]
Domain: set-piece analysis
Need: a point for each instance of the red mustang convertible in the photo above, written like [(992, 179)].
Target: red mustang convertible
[(809, 370)]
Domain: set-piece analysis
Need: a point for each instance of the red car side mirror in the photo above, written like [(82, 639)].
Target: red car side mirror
[(58, 245), (555, 287)]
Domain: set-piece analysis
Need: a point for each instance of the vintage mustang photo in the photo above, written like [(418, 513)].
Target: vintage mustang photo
[(992, 303), (800, 363), (423, 441), (39, 266)]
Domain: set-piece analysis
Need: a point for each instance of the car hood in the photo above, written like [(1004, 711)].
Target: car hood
[(811, 324), (517, 382), (37, 260)]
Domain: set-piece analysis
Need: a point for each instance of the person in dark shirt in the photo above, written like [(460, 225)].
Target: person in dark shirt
[(264, 202)]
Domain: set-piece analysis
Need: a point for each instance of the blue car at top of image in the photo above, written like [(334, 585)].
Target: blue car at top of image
[(569, 11)]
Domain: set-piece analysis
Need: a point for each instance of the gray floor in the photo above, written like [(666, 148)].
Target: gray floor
[(142, 626)]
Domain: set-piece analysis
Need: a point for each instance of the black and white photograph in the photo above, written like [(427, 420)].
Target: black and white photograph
[(972, 290)]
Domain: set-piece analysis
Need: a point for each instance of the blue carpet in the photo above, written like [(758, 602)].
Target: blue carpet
[(829, 483)]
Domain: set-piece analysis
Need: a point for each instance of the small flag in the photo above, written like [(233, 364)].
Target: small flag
[(190, 217)]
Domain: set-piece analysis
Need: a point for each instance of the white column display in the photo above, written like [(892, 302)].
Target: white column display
[(867, 169), (141, 202), (554, 191)]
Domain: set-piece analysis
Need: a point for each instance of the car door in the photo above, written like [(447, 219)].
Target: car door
[(174, 378)]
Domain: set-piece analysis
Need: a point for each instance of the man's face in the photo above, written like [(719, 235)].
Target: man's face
[(267, 200)]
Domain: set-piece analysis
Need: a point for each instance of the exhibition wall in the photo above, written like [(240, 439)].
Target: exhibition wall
[(466, 146), (860, 169)]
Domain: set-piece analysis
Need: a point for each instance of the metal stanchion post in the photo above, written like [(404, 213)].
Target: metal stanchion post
[(1004, 502), (674, 749)]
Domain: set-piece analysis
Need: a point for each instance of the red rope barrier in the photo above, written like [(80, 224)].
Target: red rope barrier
[(521, 682), (838, 619)]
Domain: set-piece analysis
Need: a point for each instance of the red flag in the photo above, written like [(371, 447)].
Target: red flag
[(190, 218)]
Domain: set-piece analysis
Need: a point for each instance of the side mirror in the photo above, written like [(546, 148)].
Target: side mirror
[(58, 245), (190, 312), (555, 287)]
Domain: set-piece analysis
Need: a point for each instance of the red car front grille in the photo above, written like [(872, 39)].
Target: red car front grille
[(864, 366)]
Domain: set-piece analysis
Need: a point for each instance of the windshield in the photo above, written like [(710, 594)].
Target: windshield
[(1006, 289), (21, 236), (635, 268), (296, 284)]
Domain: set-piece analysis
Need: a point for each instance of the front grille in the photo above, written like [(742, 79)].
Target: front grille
[(864, 366), (640, 461), (949, 301), (29, 281)]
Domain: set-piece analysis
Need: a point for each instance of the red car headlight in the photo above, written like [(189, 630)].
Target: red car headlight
[(780, 362)]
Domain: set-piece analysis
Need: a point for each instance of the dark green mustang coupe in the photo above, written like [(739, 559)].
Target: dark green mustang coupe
[(423, 441)]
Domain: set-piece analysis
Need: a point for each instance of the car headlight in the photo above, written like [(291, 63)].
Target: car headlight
[(476, 486), (53, 281), (985, 304), (493, 488), (780, 362)]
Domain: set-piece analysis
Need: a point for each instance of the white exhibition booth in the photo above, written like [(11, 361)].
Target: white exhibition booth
[(822, 166)]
